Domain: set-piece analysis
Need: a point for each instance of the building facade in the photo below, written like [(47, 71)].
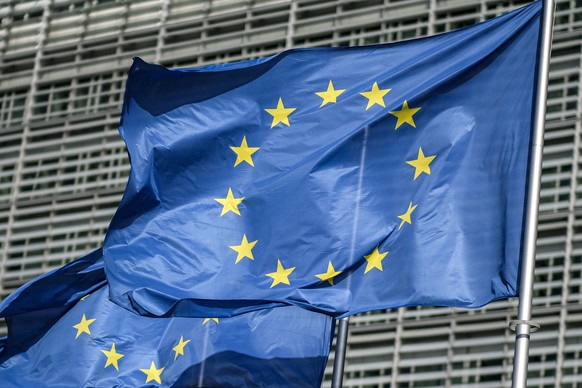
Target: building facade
[(63, 166)]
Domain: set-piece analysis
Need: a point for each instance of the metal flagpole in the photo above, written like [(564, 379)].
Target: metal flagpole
[(340, 353), (523, 326)]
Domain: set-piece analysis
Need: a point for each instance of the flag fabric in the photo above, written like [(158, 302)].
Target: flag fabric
[(337, 179), (82, 339), (31, 310)]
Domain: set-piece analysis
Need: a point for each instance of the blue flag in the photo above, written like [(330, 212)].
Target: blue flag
[(64, 331), (337, 179)]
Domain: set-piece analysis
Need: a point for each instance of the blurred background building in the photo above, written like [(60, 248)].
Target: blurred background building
[(63, 166)]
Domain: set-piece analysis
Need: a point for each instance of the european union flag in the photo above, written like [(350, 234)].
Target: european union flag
[(64, 331), (337, 179)]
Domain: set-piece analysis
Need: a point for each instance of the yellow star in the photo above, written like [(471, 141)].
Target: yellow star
[(153, 373), (179, 349), (375, 96), (230, 203), (329, 275), (281, 275), (406, 216), (244, 249), (112, 357), (375, 260), (244, 153), (208, 319), (330, 95), (421, 164), (404, 115), (280, 114), (83, 326)]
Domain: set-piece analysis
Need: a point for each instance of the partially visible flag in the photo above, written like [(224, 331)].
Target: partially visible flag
[(82, 339), (35, 307), (338, 179)]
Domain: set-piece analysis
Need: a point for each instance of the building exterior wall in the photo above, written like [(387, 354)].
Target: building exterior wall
[(63, 166)]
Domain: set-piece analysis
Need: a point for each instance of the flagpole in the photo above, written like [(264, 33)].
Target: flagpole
[(523, 325), (340, 353)]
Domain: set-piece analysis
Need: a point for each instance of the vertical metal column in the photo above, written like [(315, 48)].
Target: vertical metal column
[(43, 29), (523, 324), (340, 353)]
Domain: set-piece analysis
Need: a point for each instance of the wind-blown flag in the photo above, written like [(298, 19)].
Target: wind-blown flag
[(64, 331), (337, 179)]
